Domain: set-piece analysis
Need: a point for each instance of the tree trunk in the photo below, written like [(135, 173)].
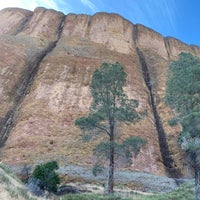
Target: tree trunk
[(110, 184), (197, 184), (197, 177)]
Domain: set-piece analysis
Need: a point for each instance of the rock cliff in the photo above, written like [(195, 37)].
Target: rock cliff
[(46, 63)]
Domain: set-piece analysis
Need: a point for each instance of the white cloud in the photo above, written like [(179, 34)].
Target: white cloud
[(157, 14), (29, 4), (12, 3), (170, 12), (89, 4), (46, 3), (163, 14)]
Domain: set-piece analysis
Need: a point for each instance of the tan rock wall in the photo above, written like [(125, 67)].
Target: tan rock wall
[(113, 31), (44, 24), (76, 26), (175, 47), (12, 19), (149, 39), (60, 93)]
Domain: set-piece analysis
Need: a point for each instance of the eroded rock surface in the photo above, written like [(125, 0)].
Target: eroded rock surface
[(46, 63)]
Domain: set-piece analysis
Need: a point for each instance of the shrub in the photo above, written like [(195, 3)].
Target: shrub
[(48, 177)]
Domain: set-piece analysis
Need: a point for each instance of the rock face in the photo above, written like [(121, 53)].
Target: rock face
[(46, 63)]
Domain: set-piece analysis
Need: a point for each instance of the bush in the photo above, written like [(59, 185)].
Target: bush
[(48, 177)]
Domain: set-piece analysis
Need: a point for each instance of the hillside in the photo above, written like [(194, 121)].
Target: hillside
[(11, 187), (46, 63)]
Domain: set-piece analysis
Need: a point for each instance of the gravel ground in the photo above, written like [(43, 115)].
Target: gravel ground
[(149, 182), (144, 182)]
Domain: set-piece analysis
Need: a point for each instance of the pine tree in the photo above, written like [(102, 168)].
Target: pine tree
[(110, 105)]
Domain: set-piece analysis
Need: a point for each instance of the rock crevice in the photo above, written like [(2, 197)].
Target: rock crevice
[(23, 86), (164, 148), (23, 24)]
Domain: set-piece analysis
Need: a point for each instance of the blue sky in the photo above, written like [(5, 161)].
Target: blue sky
[(176, 18)]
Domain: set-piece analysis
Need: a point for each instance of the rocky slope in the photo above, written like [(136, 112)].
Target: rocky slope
[(46, 63)]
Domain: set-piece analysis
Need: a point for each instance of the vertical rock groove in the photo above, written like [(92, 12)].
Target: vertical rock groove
[(23, 86), (164, 148), (23, 24), (60, 28), (167, 47)]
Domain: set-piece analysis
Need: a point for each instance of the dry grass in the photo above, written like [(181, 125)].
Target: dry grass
[(11, 187)]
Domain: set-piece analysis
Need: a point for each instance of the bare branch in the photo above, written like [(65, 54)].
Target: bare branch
[(103, 129)]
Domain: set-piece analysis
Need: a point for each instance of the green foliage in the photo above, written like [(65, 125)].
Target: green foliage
[(182, 86), (125, 150), (185, 192), (91, 197), (48, 177), (133, 145), (110, 103), (190, 134), (173, 121), (103, 149), (183, 95), (191, 123)]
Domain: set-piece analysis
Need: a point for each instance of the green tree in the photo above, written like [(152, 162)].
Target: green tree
[(183, 96), (47, 175), (110, 105)]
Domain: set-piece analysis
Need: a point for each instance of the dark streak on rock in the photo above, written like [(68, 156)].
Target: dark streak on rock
[(22, 88), (168, 161)]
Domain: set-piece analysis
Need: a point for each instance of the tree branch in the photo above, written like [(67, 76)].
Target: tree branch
[(103, 129)]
